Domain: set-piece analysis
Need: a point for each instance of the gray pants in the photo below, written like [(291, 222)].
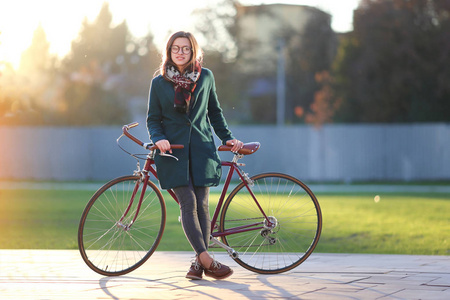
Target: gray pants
[(195, 219)]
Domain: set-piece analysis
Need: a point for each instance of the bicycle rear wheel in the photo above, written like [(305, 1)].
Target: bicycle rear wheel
[(111, 247), (290, 206)]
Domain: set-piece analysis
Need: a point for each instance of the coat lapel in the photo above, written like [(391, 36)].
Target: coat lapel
[(196, 93)]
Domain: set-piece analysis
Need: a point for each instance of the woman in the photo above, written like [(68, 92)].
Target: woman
[(183, 106)]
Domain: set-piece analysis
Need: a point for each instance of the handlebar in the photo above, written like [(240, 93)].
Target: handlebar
[(247, 149), (147, 146)]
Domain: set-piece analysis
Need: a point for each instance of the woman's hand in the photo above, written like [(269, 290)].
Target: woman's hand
[(163, 146), (237, 145)]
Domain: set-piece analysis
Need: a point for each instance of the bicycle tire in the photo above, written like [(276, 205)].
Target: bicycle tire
[(105, 245), (298, 223)]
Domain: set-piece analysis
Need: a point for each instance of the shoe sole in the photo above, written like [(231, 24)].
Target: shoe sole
[(192, 277)]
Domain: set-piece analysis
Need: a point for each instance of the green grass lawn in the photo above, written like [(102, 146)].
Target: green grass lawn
[(352, 223)]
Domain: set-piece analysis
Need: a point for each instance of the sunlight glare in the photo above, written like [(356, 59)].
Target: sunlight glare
[(62, 20)]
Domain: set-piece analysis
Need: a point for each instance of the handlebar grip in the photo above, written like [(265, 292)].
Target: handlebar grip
[(131, 125), (172, 146)]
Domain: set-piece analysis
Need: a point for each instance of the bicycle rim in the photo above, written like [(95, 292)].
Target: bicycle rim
[(296, 215), (107, 245)]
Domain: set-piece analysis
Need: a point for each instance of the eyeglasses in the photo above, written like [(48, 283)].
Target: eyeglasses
[(184, 50)]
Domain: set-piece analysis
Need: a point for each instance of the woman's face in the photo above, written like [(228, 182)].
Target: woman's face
[(181, 51)]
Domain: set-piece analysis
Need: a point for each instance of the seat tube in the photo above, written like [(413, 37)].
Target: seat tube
[(224, 192)]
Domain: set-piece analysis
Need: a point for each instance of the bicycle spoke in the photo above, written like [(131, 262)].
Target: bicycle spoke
[(111, 246), (293, 212)]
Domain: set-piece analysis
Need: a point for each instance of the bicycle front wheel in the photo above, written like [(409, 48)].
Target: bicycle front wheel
[(292, 233), (109, 243)]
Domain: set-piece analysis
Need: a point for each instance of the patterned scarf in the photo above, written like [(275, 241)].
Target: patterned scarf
[(184, 85)]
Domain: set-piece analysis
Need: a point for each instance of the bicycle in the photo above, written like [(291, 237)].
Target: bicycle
[(270, 223)]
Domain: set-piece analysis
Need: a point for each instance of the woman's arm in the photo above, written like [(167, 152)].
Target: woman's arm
[(154, 114)]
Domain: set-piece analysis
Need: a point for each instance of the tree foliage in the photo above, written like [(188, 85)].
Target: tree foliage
[(22, 91), (394, 66), (94, 84), (308, 65), (91, 69), (307, 50), (216, 30)]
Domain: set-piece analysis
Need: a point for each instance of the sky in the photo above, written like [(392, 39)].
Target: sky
[(62, 19)]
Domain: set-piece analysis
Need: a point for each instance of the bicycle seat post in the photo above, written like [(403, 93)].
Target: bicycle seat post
[(237, 157)]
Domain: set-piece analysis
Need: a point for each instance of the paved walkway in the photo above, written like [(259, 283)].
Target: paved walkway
[(61, 274)]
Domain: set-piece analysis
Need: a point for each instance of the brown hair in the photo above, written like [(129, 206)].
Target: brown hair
[(196, 54)]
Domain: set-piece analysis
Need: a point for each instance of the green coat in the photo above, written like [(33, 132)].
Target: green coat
[(193, 130)]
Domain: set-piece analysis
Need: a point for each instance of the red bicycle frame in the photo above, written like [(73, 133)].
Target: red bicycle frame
[(233, 167)]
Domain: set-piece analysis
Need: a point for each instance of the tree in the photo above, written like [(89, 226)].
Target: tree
[(94, 74), (255, 32), (325, 105), (308, 67), (391, 67), (139, 65), (94, 84), (37, 57), (98, 41), (216, 26), (24, 94)]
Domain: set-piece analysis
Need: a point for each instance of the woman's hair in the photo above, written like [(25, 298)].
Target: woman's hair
[(196, 54)]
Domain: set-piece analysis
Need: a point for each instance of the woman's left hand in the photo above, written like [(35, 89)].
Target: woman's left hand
[(237, 145)]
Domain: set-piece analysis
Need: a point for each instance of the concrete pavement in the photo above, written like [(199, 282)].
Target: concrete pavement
[(61, 274)]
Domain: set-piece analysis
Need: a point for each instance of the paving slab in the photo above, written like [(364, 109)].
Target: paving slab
[(61, 274)]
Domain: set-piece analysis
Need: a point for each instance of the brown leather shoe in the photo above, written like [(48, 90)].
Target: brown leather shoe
[(218, 270), (195, 271)]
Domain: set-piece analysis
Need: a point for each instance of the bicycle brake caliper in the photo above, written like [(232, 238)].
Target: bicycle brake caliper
[(138, 169), (248, 179), (137, 172)]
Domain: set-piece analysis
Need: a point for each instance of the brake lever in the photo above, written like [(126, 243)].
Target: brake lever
[(169, 155)]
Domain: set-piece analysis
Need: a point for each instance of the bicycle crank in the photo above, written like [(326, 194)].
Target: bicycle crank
[(230, 250)]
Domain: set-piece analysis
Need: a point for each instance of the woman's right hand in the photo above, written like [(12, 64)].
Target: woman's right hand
[(163, 146)]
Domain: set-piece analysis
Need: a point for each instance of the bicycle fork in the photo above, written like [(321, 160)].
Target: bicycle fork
[(144, 177)]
